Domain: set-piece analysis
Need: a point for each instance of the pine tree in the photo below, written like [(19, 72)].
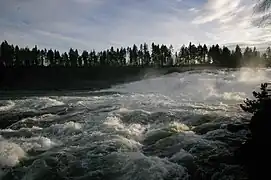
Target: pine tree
[(57, 58), (65, 59), (237, 57), (73, 56), (225, 57), (18, 58), (205, 53), (255, 105), (35, 56), (50, 57), (85, 58)]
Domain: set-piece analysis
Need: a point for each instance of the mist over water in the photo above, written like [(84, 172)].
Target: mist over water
[(177, 126)]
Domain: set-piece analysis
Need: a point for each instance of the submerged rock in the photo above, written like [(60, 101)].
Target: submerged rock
[(205, 128)]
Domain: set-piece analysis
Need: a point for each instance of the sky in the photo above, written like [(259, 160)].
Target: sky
[(100, 24)]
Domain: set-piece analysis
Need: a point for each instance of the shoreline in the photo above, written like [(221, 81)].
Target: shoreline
[(57, 79)]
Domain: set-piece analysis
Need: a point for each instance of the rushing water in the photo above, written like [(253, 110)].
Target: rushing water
[(178, 126)]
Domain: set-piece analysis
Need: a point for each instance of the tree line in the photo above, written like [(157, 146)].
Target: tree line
[(142, 56)]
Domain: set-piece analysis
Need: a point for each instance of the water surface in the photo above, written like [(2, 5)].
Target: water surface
[(178, 126)]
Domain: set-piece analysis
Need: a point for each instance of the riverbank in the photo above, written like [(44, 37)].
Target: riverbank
[(94, 78)]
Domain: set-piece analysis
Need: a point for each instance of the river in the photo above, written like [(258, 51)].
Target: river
[(177, 126)]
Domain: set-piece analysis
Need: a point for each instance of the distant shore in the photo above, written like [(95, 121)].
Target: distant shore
[(69, 79)]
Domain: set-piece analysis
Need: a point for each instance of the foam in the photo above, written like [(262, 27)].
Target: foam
[(237, 96), (66, 128), (37, 143), (10, 154), (35, 103), (178, 127), (48, 102), (133, 130), (7, 105)]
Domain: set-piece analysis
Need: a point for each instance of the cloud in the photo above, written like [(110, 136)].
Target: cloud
[(231, 22), (193, 10), (99, 24), (216, 10)]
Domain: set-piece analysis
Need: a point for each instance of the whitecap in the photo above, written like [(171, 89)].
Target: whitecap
[(6, 105), (37, 143), (66, 128), (115, 125), (10, 154)]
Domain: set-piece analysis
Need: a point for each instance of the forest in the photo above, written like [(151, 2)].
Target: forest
[(24, 68), (137, 56)]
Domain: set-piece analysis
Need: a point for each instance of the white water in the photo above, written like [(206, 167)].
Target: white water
[(170, 127)]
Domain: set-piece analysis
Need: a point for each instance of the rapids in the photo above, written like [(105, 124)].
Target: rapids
[(177, 126)]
